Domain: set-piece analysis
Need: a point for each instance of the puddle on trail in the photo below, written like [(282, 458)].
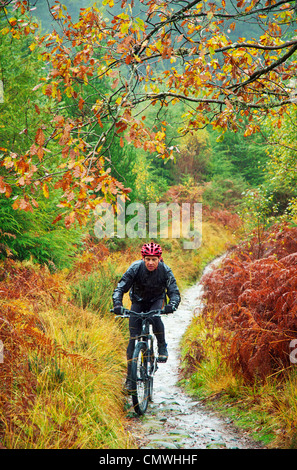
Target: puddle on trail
[(174, 420)]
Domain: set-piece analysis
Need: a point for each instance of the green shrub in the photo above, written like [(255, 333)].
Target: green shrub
[(95, 291)]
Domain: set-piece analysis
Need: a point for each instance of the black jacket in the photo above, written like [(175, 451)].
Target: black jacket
[(147, 286)]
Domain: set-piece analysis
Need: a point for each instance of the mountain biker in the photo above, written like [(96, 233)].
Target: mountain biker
[(149, 280)]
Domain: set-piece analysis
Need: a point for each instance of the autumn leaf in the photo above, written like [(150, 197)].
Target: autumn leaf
[(2, 185), (39, 137), (110, 3), (25, 205), (99, 121), (81, 103), (59, 217), (34, 202), (70, 219), (45, 190), (40, 153), (8, 191), (16, 204)]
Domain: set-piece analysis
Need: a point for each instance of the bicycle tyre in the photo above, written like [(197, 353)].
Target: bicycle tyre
[(140, 379), (151, 389)]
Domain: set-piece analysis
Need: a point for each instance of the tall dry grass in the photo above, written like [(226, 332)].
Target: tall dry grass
[(62, 371), (77, 405)]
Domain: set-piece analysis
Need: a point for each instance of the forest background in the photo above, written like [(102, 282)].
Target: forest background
[(56, 277)]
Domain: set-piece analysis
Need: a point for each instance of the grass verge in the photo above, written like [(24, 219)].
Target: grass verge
[(267, 410)]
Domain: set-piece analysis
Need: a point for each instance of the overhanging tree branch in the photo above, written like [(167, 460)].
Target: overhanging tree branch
[(265, 70), (102, 76)]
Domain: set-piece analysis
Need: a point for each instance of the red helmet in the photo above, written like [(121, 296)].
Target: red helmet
[(151, 249)]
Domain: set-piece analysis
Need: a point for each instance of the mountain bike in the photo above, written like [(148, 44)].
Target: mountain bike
[(144, 360)]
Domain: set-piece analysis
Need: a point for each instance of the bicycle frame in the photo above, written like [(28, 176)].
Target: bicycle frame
[(144, 362), (147, 338)]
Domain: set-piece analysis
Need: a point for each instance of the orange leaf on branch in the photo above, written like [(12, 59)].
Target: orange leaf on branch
[(2, 185), (45, 190)]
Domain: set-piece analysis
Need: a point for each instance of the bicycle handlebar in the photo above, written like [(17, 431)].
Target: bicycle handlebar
[(152, 313)]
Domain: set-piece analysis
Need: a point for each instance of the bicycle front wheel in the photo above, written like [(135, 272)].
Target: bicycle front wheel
[(140, 379)]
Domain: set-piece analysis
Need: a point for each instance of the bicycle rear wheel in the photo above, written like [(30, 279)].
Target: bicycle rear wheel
[(140, 379)]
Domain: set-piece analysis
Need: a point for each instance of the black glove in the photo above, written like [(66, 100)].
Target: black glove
[(168, 309), (117, 309)]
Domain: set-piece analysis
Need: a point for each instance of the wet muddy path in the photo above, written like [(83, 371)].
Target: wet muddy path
[(174, 420)]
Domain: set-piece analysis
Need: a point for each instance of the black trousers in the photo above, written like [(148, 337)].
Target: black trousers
[(135, 325)]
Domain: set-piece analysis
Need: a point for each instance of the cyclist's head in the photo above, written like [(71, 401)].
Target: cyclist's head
[(151, 254), (151, 249)]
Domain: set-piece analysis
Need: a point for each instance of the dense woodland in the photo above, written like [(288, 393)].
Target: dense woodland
[(84, 120)]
